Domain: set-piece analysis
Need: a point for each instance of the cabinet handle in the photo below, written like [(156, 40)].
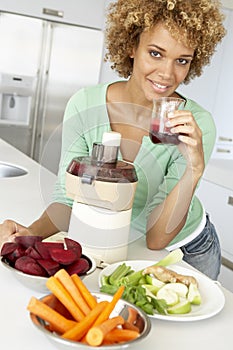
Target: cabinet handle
[(230, 200), (52, 12), (223, 150), (223, 138)]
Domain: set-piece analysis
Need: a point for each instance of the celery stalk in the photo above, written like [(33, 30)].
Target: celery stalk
[(172, 258)]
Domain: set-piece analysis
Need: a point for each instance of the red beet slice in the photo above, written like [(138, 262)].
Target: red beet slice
[(33, 253), (50, 266), (44, 248), (63, 256), (30, 266), (8, 248), (71, 244), (17, 253), (27, 241), (80, 267)]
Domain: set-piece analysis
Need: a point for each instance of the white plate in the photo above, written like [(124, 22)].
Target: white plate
[(213, 299)]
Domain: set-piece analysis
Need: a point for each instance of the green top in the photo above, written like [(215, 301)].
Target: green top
[(159, 166)]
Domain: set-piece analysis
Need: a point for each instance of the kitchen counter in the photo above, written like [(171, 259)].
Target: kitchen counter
[(23, 199)]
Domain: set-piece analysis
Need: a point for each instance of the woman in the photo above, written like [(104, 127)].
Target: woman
[(156, 45)]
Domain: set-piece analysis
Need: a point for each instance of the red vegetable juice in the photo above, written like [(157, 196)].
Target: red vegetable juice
[(162, 137)]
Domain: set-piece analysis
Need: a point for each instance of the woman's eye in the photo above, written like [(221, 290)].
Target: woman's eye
[(183, 61), (155, 54)]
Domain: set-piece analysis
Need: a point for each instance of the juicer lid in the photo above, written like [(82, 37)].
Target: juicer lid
[(90, 170)]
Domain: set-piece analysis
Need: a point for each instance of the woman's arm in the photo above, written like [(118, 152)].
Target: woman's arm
[(54, 219), (167, 219)]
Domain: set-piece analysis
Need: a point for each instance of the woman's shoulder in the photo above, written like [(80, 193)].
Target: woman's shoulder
[(89, 96)]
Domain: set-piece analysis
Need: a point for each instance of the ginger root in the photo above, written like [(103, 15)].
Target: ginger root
[(165, 275)]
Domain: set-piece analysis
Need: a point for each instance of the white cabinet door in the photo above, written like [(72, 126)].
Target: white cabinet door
[(218, 202), (223, 110), (88, 13)]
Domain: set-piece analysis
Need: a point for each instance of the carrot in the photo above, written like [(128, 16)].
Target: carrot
[(81, 328), (87, 296), (109, 308), (55, 286), (63, 276), (130, 326), (118, 335), (95, 335), (58, 322), (56, 305), (132, 315)]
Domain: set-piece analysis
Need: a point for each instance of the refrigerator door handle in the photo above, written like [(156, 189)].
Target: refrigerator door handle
[(52, 12)]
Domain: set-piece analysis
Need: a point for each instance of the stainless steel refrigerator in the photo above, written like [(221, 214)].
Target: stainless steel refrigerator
[(47, 54)]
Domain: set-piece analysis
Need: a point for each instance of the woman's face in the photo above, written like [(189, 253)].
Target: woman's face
[(161, 63)]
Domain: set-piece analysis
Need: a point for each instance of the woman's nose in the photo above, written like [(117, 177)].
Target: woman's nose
[(165, 70)]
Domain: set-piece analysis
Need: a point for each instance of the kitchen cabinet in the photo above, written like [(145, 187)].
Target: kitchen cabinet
[(213, 90), (216, 194)]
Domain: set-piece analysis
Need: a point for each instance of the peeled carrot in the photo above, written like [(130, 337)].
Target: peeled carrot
[(56, 305), (95, 335), (109, 308), (130, 326), (56, 287), (63, 276), (58, 322), (81, 328), (132, 315), (87, 296), (118, 335)]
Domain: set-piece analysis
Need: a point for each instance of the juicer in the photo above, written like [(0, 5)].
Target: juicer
[(102, 188)]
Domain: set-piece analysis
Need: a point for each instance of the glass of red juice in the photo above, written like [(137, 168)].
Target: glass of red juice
[(159, 132)]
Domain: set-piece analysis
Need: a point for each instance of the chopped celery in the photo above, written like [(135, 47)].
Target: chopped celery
[(109, 289), (121, 271), (105, 280)]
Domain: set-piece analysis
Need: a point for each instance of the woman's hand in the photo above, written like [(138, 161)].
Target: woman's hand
[(183, 123), (9, 229)]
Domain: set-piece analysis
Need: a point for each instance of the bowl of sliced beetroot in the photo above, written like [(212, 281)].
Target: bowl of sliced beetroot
[(33, 261)]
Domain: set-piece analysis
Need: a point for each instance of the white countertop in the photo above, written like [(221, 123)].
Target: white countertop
[(24, 198)]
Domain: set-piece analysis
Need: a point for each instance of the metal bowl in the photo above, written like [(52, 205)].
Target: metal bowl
[(121, 308), (38, 283)]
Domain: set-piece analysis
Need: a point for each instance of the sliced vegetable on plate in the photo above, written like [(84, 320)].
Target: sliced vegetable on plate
[(173, 293)]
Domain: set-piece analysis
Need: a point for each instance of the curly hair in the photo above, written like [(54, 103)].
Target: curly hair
[(198, 24)]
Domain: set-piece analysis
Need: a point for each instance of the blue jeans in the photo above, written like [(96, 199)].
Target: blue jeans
[(204, 251)]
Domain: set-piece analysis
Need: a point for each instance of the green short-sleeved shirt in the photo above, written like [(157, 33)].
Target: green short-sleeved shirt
[(159, 167)]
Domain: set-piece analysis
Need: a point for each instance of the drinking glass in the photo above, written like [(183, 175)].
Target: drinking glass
[(159, 132)]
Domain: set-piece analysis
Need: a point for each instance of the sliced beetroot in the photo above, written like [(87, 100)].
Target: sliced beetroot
[(80, 267), (17, 253), (29, 265), (8, 248), (71, 244), (33, 253), (50, 266), (28, 241), (44, 248), (63, 256)]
